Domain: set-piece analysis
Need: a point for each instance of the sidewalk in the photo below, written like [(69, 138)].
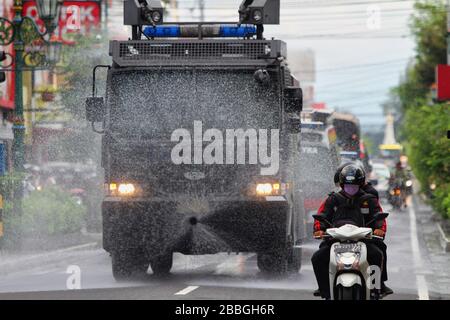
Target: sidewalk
[(436, 257), (27, 259)]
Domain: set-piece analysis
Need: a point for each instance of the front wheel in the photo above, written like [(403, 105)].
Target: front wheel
[(162, 264), (349, 293), (272, 263), (294, 260), (128, 264)]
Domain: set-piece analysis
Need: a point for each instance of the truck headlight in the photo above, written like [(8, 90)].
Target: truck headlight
[(264, 189), (122, 189), (270, 189)]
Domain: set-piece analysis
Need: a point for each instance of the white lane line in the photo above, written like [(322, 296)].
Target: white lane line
[(186, 290), (422, 287)]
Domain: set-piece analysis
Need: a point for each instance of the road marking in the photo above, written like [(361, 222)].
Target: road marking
[(186, 291), (422, 287)]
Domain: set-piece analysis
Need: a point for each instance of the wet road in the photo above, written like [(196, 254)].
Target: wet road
[(413, 269)]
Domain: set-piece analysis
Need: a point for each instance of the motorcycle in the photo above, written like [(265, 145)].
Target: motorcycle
[(350, 275), (396, 196)]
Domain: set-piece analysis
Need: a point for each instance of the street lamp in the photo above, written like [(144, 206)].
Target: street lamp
[(19, 32), (48, 11)]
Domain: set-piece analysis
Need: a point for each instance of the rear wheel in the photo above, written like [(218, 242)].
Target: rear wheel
[(162, 264), (272, 263), (128, 264), (294, 260)]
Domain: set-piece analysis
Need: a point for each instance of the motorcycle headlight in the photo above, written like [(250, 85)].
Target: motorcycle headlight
[(347, 255), (348, 259), (408, 183)]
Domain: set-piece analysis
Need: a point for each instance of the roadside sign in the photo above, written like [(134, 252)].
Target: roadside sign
[(77, 16), (443, 82)]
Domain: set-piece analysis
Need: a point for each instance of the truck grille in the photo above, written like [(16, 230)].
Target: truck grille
[(127, 53)]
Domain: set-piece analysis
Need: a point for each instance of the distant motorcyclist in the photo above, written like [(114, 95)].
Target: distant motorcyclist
[(350, 205), (399, 174), (398, 179)]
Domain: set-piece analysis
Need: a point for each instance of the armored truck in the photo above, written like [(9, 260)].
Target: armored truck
[(200, 127)]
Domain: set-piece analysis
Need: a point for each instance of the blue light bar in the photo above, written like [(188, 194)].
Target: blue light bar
[(162, 32), (237, 31), (221, 31)]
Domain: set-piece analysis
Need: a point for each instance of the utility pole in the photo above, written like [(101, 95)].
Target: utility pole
[(18, 122), (174, 9), (201, 7)]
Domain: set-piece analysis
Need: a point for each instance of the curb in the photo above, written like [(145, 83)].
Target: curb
[(37, 260), (445, 242)]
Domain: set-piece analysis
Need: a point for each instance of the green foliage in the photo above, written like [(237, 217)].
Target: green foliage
[(46, 213), (80, 59), (9, 183), (428, 149), (429, 27), (424, 125)]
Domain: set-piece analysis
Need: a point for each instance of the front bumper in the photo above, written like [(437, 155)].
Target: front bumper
[(196, 226)]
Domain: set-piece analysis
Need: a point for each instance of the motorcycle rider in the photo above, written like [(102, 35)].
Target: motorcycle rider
[(398, 179), (367, 187), (350, 205)]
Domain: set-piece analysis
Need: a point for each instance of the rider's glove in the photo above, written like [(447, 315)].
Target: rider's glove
[(379, 233), (319, 234)]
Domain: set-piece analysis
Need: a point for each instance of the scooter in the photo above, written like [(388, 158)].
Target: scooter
[(397, 197), (351, 276)]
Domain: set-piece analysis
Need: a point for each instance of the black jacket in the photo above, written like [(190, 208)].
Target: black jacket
[(340, 209)]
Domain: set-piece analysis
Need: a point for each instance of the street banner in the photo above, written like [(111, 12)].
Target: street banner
[(443, 82), (7, 88), (80, 17)]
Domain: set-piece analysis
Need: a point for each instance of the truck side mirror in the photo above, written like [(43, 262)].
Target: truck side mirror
[(293, 124), (95, 109), (293, 99)]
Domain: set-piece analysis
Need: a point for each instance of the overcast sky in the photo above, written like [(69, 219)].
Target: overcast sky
[(361, 46)]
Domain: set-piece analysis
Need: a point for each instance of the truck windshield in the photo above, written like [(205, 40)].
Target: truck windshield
[(156, 102)]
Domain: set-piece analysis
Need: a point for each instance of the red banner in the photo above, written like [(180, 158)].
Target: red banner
[(76, 17), (7, 88), (443, 82)]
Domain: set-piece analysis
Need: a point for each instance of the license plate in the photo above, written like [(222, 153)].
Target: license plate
[(347, 247)]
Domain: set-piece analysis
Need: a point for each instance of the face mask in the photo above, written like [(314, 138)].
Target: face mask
[(351, 189)]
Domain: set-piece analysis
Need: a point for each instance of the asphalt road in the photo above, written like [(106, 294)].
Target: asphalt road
[(223, 276)]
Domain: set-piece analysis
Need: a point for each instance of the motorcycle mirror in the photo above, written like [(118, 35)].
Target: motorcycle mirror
[(381, 216), (378, 217)]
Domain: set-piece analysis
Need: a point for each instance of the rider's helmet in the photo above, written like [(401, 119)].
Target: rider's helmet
[(351, 179), (337, 175)]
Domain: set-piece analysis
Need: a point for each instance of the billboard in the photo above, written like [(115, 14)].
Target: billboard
[(76, 17), (7, 87)]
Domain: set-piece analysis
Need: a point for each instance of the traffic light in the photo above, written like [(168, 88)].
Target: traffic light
[(2, 73)]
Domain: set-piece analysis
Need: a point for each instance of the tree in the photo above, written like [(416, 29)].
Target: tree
[(424, 124)]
